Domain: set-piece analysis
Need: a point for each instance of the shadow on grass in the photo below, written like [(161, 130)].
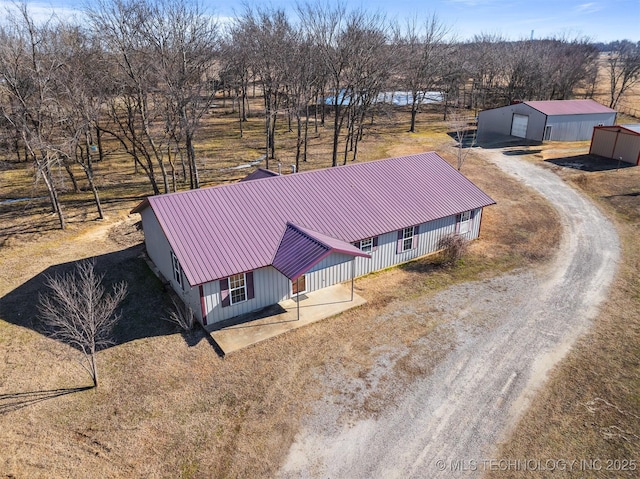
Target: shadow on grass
[(424, 266), (521, 152), (193, 338), (141, 311), (589, 163), (14, 401), (468, 137)]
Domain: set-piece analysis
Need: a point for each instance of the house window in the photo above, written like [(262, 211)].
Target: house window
[(407, 238), (366, 245), (464, 221), (177, 270), (238, 288)]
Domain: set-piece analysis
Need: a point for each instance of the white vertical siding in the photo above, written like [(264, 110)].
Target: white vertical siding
[(159, 251), (577, 127), (269, 287), (334, 269)]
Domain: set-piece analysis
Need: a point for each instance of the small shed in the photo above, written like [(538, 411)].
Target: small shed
[(620, 142), (553, 120)]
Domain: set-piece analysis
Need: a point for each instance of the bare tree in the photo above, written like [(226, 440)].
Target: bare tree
[(80, 313), (81, 95), (183, 41), (465, 137), (422, 54), (28, 64), (326, 25), (268, 39), (624, 70)]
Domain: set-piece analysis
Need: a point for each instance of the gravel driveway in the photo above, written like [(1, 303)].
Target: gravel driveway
[(509, 331)]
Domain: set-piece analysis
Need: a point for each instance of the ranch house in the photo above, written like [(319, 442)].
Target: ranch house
[(238, 248)]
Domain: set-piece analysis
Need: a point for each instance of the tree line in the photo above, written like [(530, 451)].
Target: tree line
[(145, 74)]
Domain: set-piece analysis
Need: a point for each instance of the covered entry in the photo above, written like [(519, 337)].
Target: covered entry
[(519, 125), (301, 249)]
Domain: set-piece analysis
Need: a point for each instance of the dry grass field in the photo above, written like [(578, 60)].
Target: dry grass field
[(169, 406)]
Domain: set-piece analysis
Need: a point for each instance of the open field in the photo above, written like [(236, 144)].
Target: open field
[(168, 406)]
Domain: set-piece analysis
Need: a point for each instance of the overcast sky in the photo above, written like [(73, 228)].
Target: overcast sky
[(515, 19)]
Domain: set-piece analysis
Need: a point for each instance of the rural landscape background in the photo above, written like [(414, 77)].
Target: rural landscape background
[(152, 97)]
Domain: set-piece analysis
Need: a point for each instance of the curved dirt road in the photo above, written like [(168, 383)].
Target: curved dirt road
[(447, 424)]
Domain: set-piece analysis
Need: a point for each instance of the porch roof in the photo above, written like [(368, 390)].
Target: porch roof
[(301, 249)]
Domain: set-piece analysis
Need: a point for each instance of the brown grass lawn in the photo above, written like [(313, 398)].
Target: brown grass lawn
[(167, 405), (590, 408)]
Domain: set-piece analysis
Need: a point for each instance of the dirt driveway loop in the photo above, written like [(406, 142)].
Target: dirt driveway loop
[(523, 324)]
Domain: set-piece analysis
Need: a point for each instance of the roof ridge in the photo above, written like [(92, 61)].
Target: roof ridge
[(302, 230)]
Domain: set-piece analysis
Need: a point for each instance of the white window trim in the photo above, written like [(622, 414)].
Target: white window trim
[(410, 238), (244, 287), (464, 224), (369, 242)]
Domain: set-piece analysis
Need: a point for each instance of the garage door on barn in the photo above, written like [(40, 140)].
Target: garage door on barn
[(519, 125)]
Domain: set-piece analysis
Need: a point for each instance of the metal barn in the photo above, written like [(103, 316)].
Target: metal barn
[(238, 248), (554, 120), (620, 142)]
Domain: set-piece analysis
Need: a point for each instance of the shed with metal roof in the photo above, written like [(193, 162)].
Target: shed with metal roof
[(619, 142), (553, 120), (232, 249)]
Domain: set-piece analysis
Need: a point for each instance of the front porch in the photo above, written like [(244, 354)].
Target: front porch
[(248, 329)]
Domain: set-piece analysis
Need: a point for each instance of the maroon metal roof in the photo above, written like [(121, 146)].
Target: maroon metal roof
[(569, 107), (219, 231), (301, 249), (259, 174), (634, 129)]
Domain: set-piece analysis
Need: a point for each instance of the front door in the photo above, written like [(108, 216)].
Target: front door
[(299, 286)]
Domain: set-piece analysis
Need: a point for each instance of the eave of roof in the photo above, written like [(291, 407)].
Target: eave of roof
[(569, 107)]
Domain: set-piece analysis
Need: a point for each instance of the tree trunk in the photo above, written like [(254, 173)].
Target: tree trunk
[(336, 133), (94, 368), (53, 194), (88, 171), (172, 163), (299, 141), (72, 177), (306, 135), (191, 158), (414, 113)]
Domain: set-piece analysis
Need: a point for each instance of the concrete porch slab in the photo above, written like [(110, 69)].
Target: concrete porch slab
[(248, 329)]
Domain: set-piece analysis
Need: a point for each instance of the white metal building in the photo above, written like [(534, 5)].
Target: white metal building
[(554, 120)]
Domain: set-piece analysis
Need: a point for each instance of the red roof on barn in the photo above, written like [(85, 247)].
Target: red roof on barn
[(219, 231), (569, 107)]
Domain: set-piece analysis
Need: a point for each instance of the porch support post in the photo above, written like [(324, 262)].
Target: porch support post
[(298, 297), (353, 273)]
